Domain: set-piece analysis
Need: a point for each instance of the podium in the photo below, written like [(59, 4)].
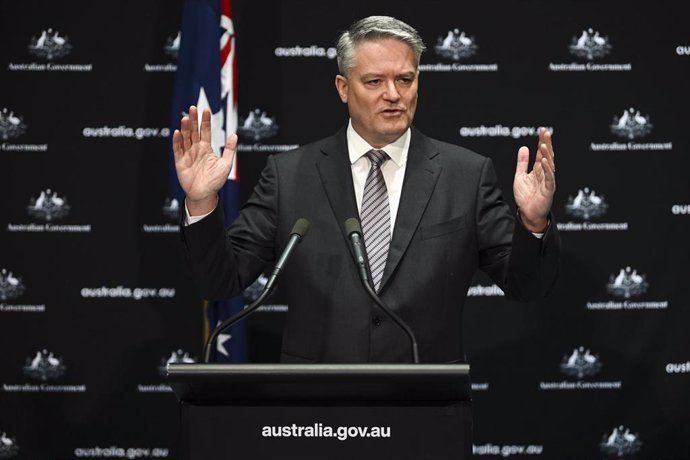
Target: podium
[(323, 411)]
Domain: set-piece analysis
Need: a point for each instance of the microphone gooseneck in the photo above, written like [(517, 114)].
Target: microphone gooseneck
[(354, 234)]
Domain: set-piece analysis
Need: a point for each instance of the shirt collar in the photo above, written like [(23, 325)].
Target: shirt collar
[(358, 147)]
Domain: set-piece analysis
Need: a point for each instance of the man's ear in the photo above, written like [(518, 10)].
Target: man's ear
[(341, 85)]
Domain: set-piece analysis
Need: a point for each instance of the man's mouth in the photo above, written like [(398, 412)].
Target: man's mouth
[(393, 112)]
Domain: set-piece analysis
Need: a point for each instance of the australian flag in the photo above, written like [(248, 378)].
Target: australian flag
[(206, 77)]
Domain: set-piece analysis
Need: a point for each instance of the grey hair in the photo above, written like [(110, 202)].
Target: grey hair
[(375, 28)]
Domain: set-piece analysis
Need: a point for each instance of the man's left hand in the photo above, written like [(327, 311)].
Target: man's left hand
[(534, 190)]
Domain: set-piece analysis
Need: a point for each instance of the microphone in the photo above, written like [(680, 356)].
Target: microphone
[(299, 230), (354, 234)]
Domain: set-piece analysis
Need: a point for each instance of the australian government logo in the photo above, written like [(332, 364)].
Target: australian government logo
[(178, 356), (628, 287), (580, 365), (8, 445), (257, 127), (590, 45), (631, 126), (171, 212), (171, 49), (457, 46), (47, 207), (620, 443), (583, 207), (45, 370), (12, 126), (44, 366), (12, 287), (50, 45)]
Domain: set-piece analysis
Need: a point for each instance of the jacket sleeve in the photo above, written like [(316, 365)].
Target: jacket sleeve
[(225, 261), (524, 266)]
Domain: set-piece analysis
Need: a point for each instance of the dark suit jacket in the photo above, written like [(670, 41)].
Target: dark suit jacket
[(451, 220)]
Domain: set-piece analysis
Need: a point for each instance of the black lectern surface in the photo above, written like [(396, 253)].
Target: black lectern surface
[(223, 383), (324, 411)]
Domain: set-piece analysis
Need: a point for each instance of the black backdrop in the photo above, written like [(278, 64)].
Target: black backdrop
[(94, 296)]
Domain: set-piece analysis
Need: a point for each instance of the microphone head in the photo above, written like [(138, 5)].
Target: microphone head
[(301, 227), (352, 226)]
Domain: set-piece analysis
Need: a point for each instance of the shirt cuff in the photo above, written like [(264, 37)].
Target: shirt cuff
[(189, 219)]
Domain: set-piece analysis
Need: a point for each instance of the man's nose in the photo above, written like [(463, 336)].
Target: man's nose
[(391, 93)]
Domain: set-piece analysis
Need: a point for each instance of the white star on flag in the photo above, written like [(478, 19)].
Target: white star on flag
[(220, 342), (217, 125)]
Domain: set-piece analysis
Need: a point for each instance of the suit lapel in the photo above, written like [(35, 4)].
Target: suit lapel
[(335, 173), (421, 176)]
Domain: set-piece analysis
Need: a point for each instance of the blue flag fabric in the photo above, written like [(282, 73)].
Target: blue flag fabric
[(206, 77)]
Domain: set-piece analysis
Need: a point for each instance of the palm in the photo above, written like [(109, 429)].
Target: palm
[(531, 194), (534, 190), (201, 173)]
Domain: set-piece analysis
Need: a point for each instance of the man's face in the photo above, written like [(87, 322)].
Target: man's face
[(380, 90)]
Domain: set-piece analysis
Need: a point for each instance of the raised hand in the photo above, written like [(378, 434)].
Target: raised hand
[(201, 173), (534, 190)]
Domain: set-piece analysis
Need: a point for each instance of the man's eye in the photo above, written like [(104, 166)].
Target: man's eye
[(373, 82)]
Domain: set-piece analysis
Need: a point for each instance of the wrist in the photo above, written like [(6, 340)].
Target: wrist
[(539, 225), (201, 206)]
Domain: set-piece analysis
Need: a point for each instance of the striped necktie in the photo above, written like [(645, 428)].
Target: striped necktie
[(376, 217)]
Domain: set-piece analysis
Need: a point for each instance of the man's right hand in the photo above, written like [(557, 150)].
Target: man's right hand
[(201, 173)]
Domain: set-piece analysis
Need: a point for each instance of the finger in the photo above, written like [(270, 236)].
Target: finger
[(177, 145), (548, 155), (549, 175), (545, 137), (230, 147), (194, 124), (230, 150), (541, 141), (539, 154), (546, 148), (542, 153), (538, 170), (522, 161), (206, 126), (186, 133), (231, 142)]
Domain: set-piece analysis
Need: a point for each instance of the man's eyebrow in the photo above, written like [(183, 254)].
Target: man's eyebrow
[(409, 73)]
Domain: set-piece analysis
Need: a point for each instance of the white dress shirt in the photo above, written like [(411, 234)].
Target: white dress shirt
[(393, 170)]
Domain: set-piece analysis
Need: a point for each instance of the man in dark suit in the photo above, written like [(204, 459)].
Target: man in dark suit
[(440, 217)]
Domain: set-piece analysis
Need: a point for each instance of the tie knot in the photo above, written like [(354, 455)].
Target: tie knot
[(377, 157)]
